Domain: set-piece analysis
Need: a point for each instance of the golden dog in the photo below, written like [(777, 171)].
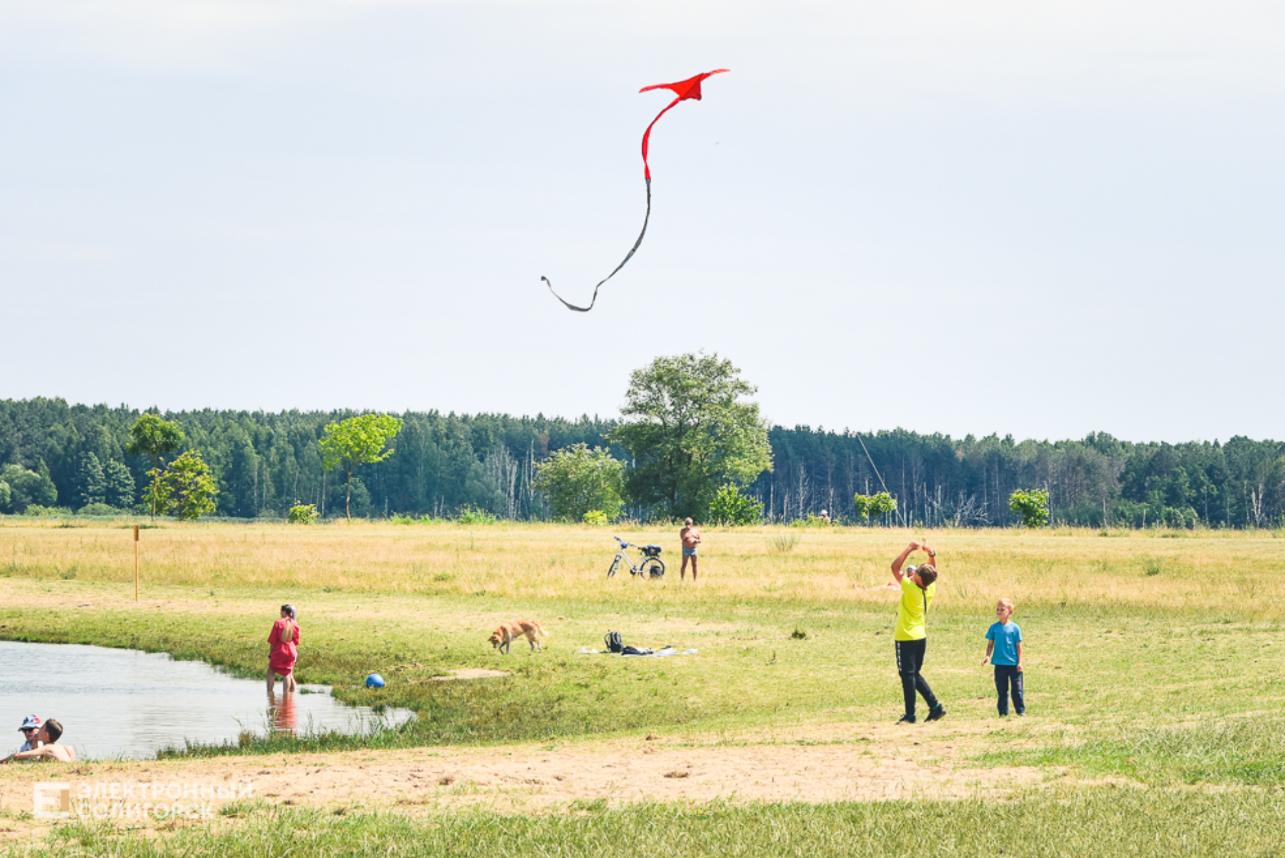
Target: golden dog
[(509, 632)]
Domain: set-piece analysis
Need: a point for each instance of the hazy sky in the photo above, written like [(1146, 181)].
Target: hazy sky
[(1031, 218)]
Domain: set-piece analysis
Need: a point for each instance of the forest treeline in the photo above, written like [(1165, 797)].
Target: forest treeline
[(266, 462)]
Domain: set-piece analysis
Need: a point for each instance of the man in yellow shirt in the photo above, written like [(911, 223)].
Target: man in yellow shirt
[(917, 585)]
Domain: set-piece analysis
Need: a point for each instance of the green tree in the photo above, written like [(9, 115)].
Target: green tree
[(27, 487), (360, 440), (577, 479), (190, 489), (690, 431), (119, 485), (870, 507), (91, 480), (732, 506), (155, 437), (1031, 506), (6, 496)]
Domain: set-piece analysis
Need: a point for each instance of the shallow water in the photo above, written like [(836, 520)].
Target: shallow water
[(130, 704)]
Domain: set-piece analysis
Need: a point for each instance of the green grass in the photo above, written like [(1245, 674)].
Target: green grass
[(1247, 751), (1088, 822)]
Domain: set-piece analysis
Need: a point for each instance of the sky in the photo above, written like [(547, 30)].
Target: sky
[(1037, 219)]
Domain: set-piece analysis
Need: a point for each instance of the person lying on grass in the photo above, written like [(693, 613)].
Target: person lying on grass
[(910, 638), (45, 747)]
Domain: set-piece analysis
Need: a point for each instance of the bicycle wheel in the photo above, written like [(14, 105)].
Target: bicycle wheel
[(615, 564), (653, 567)]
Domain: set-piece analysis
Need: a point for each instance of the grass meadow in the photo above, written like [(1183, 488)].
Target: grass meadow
[(1154, 667)]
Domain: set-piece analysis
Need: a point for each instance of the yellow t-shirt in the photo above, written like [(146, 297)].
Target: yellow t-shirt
[(911, 609)]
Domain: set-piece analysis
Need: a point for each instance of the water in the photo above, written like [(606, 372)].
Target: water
[(129, 704)]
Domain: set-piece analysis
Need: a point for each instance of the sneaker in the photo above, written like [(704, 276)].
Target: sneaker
[(936, 712), (906, 719)]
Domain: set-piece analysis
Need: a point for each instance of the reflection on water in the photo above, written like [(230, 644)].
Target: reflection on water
[(281, 713), (126, 703)]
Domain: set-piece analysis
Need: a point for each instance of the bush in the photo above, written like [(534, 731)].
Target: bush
[(731, 506), (42, 511), (595, 517), (303, 513), (99, 509), (476, 515)]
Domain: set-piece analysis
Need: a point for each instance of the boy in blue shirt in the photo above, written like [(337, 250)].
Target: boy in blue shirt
[(1004, 650)]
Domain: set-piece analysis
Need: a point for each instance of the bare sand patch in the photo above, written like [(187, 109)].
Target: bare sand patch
[(826, 764)]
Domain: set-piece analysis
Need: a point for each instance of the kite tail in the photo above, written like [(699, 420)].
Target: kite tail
[(628, 256), (637, 243)]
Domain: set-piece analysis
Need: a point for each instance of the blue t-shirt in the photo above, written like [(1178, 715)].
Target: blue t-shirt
[(1006, 637)]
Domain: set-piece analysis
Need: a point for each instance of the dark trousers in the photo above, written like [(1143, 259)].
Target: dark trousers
[(910, 660), (1008, 676)]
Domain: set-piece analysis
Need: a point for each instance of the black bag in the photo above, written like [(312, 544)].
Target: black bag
[(613, 642)]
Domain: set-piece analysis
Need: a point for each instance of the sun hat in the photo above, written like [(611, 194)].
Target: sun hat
[(31, 722)]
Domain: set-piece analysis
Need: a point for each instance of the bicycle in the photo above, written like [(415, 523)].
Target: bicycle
[(650, 567)]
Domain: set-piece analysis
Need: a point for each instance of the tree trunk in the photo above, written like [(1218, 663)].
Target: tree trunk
[(348, 499)]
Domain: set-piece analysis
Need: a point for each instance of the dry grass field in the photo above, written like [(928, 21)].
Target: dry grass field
[(1154, 664)]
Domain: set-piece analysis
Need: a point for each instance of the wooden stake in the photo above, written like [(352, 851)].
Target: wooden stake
[(136, 563)]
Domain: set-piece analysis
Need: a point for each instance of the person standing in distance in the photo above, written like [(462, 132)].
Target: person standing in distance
[(917, 586), (690, 536)]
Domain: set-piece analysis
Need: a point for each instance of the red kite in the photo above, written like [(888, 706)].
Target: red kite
[(683, 89)]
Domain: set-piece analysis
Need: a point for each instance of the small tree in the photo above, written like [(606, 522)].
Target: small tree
[(189, 486), (578, 480), (155, 437), (91, 480), (302, 513), (360, 440), (1031, 506), (732, 506), (870, 507)]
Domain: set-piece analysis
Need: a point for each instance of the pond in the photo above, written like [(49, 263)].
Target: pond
[(122, 703)]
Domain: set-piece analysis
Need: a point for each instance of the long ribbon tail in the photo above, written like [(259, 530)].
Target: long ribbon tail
[(628, 256), (638, 242)]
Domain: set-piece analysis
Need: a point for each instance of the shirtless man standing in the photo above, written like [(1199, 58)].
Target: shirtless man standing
[(45, 747), (691, 537)]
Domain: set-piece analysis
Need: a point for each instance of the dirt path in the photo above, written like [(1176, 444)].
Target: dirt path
[(816, 764)]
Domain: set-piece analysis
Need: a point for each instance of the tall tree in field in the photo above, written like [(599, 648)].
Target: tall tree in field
[(360, 440), (155, 437), (578, 480), (190, 489), (690, 431)]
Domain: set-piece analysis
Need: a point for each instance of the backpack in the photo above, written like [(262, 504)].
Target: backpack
[(613, 642)]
